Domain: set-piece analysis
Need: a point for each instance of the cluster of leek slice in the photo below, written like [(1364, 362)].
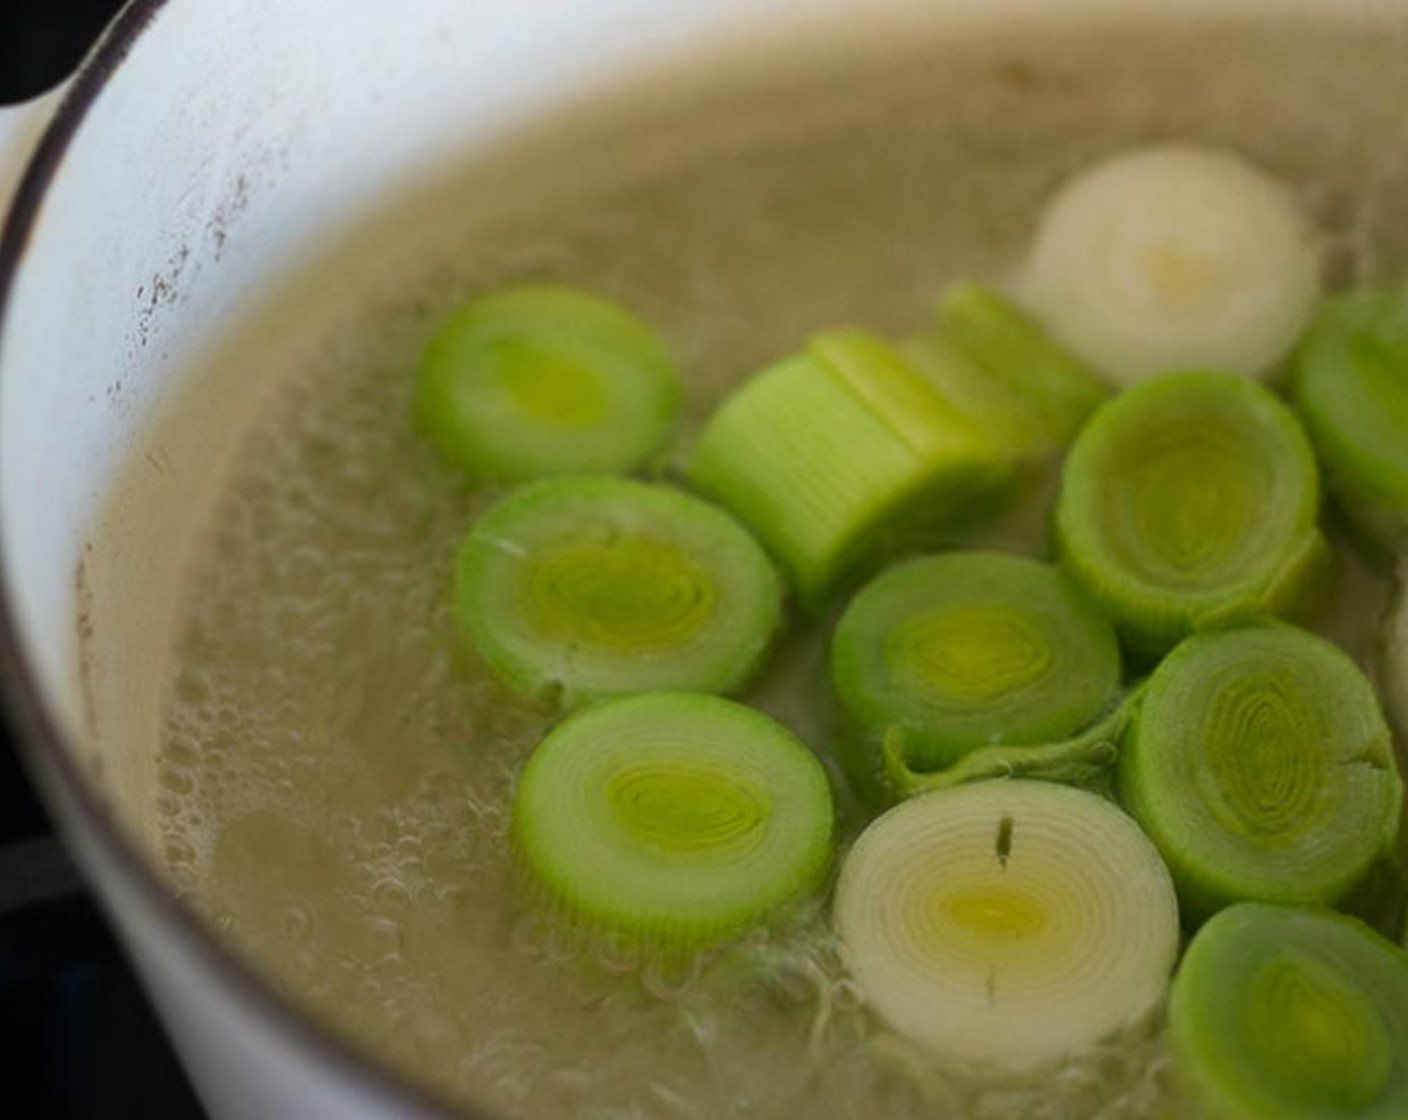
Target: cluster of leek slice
[(1074, 754)]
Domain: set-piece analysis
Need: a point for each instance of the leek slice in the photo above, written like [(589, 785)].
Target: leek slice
[(543, 380), (588, 586), (1188, 501), (1350, 385), (1260, 764), (1174, 257), (1279, 1013), (672, 819), (842, 454), (945, 654), (1005, 372), (1007, 923), (1393, 654)]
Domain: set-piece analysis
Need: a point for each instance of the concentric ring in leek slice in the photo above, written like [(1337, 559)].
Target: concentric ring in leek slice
[(1280, 1013), (672, 819), (1174, 257), (594, 586), (842, 454), (1003, 370), (1260, 764), (544, 380), (1350, 385), (946, 654), (1188, 501), (1007, 923)]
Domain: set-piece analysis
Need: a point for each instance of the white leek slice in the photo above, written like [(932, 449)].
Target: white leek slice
[(1007, 924), (1174, 257)]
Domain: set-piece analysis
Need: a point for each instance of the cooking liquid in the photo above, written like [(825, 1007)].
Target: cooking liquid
[(337, 770)]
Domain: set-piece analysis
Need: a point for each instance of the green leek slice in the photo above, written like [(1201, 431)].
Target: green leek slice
[(1260, 764), (1350, 385), (585, 587), (842, 454), (1174, 257), (1189, 501), (544, 380), (672, 819), (1393, 654), (1007, 924), (1004, 371), (1279, 1013), (945, 654)]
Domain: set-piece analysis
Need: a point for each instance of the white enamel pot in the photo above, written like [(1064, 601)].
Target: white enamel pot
[(204, 150)]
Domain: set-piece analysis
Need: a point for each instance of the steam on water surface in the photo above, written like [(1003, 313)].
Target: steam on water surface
[(336, 772)]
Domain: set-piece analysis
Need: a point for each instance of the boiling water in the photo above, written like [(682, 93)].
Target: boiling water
[(336, 771)]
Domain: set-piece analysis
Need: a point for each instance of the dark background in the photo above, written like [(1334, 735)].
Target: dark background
[(77, 1038), (42, 41)]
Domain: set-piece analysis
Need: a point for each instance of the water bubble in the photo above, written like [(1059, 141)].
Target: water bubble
[(175, 779), (298, 922), (177, 850)]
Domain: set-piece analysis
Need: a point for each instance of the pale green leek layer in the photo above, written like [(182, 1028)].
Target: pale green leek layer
[(1086, 759), (1000, 367)]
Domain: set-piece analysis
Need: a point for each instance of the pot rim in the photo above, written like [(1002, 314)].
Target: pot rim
[(42, 744)]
